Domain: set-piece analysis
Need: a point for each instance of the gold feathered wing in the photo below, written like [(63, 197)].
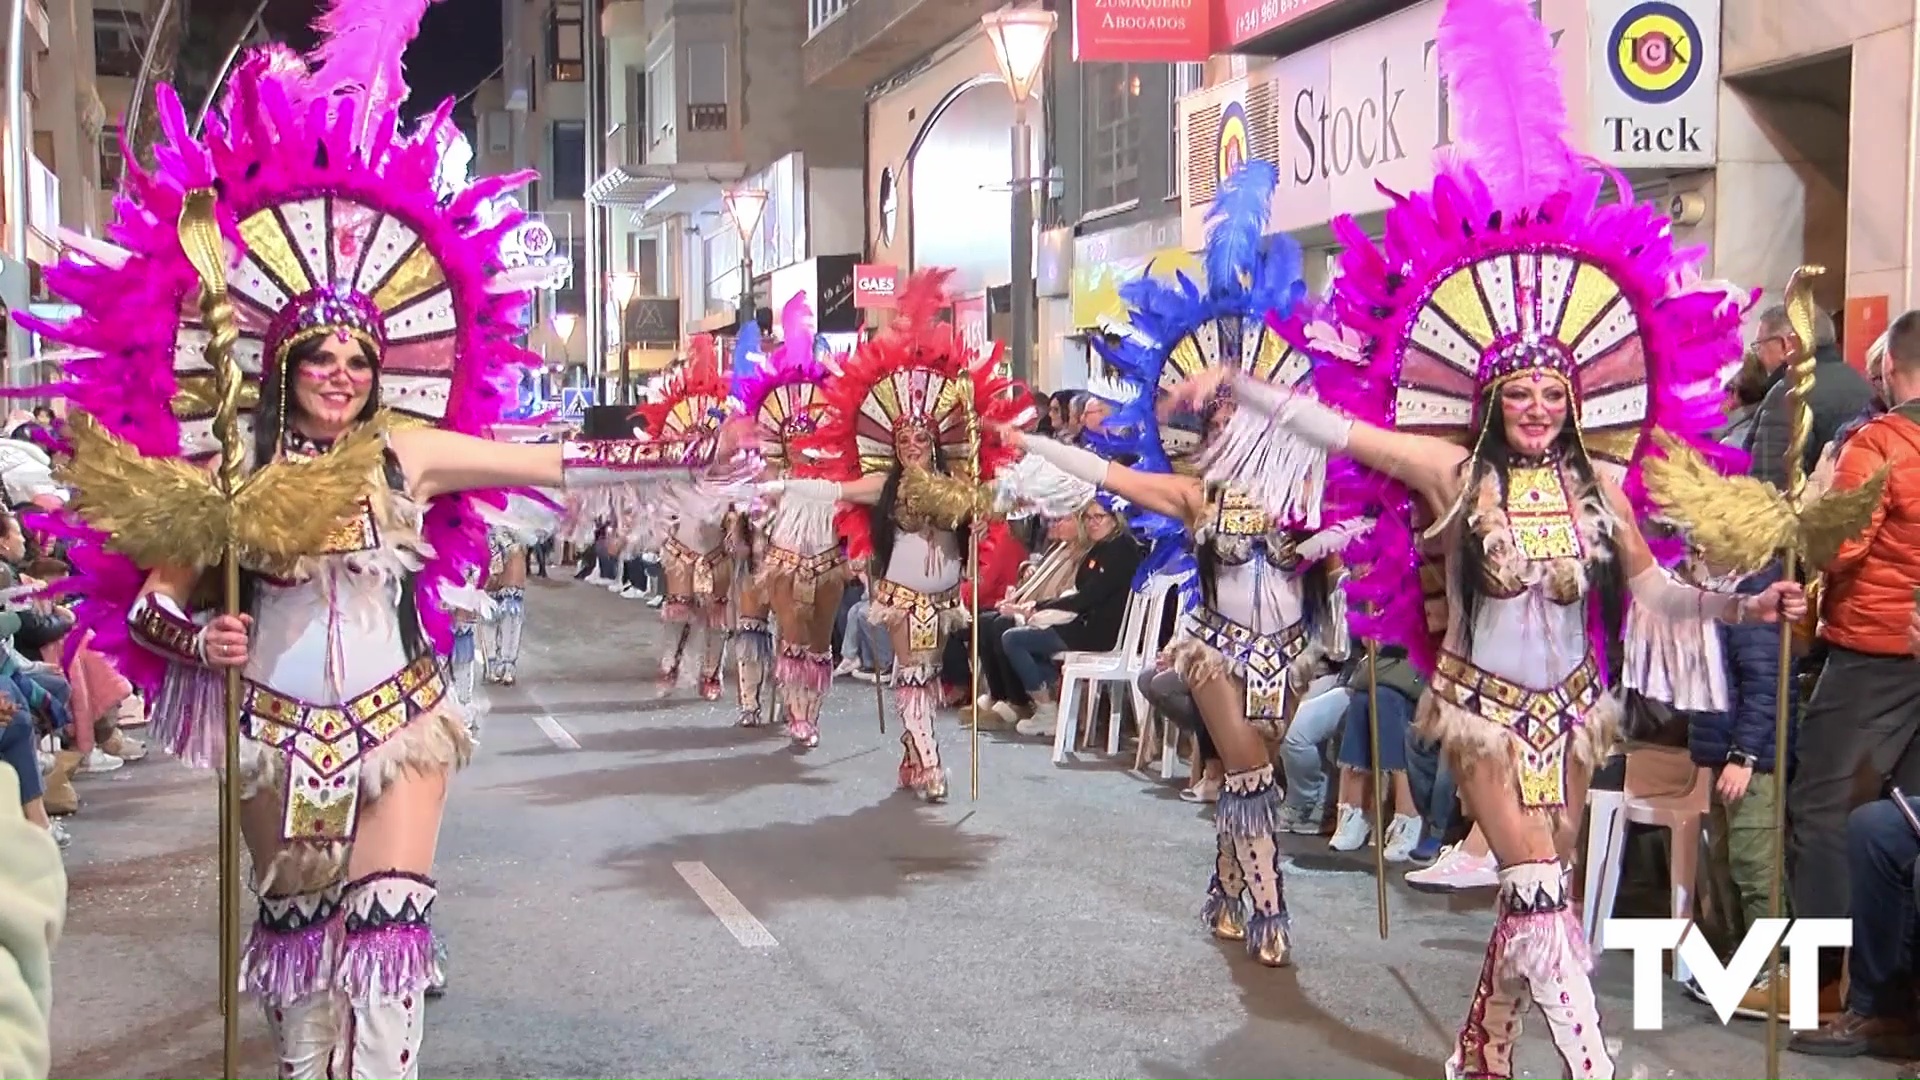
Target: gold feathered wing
[(1741, 523), (944, 500), (168, 512)]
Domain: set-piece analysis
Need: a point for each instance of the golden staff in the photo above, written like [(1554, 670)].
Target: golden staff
[(1800, 377), (200, 240), (973, 560), (1742, 524), (1379, 799)]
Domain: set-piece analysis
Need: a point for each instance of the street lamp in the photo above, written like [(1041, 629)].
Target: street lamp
[(746, 206), (562, 324), (1020, 37), (623, 287)]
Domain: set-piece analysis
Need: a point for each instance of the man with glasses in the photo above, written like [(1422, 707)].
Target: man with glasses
[(1839, 394)]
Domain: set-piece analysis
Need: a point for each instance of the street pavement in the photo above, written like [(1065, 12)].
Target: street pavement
[(633, 888)]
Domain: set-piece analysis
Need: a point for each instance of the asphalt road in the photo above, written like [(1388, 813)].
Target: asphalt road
[(633, 887)]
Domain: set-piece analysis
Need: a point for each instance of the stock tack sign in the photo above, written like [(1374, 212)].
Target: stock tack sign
[(1142, 31), (1655, 81)]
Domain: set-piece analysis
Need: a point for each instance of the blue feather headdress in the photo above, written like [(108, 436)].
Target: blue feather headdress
[(1177, 329)]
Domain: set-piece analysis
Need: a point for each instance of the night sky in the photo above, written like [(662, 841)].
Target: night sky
[(458, 47)]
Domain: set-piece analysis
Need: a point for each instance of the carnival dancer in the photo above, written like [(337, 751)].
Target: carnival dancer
[(915, 397), (372, 321), (691, 402), (1270, 614), (1506, 354), (507, 601), (801, 570)]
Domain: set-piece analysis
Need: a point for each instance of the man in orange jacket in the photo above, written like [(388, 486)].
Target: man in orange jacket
[(1865, 712)]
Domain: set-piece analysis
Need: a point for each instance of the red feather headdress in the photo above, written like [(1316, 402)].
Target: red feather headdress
[(918, 371), (690, 400)]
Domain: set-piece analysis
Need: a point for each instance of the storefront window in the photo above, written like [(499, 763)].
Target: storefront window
[(1112, 168), (1183, 79)]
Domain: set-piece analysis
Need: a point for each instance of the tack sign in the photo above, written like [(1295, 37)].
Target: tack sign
[(874, 285), (1655, 82)]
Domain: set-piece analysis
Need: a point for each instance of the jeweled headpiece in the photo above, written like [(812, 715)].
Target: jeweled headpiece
[(337, 312)]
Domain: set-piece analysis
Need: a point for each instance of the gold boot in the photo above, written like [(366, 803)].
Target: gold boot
[(936, 789), (1230, 923), (1276, 951)]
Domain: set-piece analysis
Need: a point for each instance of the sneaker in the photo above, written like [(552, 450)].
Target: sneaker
[(1041, 724), (1403, 832), (132, 712), (99, 761), (1302, 820), (861, 674), (1353, 830), (59, 833), (1456, 870), (1852, 1035), (656, 600), (631, 593), (1424, 852), (847, 667)]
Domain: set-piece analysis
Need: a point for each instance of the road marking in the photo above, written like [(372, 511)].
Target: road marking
[(556, 734), (725, 906)]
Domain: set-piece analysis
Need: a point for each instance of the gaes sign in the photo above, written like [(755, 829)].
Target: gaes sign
[(875, 285)]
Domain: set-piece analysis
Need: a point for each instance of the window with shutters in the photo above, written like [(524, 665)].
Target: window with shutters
[(1111, 93), (1182, 79), (566, 42)]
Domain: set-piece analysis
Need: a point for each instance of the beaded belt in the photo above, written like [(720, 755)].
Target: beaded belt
[(805, 571), (1541, 722), (326, 745), (923, 611), (704, 562), (1265, 661)]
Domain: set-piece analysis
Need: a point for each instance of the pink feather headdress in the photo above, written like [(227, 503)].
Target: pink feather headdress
[(1514, 265), (344, 229), (783, 392)]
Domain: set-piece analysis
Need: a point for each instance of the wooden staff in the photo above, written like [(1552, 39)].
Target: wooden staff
[(203, 246), (1800, 376), (973, 561), (1379, 798)]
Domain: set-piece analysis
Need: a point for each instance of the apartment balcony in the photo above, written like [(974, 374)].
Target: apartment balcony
[(656, 189), (856, 43)]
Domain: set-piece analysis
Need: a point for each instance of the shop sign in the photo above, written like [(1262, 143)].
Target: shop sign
[(875, 285), (1141, 31), (970, 319), (1655, 67), (1240, 21), (1363, 110)]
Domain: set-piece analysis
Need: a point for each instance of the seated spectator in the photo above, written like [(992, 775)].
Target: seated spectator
[(1398, 686), (1043, 579), (1435, 796), (1001, 554), (1303, 754), (1881, 851), (33, 903), (1087, 618)]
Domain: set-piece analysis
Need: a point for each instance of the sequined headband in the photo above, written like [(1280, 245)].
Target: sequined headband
[(1529, 354), (348, 315)]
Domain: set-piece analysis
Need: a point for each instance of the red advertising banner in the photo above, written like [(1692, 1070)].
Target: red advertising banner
[(970, 318), (1142, 31), (875, 285), (1236, 22)]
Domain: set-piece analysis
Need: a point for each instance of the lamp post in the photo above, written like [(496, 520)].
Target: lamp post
[(1020, 37), (621, 289), (745, 206), (561, 324)]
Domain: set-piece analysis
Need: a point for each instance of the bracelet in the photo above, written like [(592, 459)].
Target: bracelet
[(159, 625)]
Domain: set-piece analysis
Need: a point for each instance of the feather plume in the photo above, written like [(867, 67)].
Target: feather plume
[(1510, 115), (1236, 225), (796, 330), (920, 302), (1739, 522), (362, 43)]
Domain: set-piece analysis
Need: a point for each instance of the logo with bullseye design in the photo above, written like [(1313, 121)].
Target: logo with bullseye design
[(1654, 52), (1231, 153)]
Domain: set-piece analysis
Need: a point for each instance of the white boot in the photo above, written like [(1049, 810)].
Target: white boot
[(289, 964), (385, 969)]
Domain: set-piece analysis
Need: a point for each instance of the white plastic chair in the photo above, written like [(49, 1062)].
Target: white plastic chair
[(1133, 654), (1683, 814)]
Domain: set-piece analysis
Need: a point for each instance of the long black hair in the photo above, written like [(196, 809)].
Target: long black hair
[(1606, 577), (276, 400), (881, 516)]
